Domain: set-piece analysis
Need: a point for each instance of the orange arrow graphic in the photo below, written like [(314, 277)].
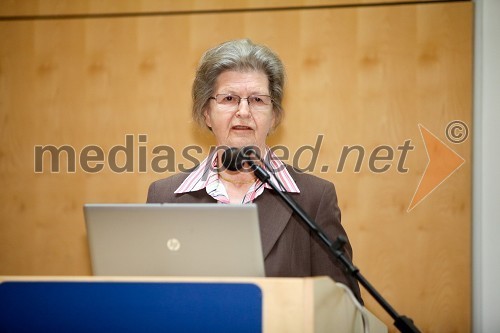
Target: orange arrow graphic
[(443, 162)]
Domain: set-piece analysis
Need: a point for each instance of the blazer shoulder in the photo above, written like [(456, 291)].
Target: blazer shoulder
[(161, 189), (308, 180)]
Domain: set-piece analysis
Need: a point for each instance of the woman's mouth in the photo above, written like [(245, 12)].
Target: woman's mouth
[(241, 128)]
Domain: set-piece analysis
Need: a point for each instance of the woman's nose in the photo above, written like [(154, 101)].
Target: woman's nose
[(243, 108)]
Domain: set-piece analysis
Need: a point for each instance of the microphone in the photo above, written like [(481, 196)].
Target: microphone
[(244, 159), (234, 159)]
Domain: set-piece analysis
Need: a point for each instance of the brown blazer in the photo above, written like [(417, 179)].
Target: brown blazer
[(288, 247)]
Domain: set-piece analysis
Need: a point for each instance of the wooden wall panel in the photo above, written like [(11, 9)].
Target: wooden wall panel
[(363, 76), (99, 7)]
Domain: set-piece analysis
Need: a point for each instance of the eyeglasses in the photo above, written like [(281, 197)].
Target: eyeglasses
[(230, 103)]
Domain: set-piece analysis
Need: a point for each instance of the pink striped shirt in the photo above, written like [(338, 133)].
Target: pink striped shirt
[(205, 176)]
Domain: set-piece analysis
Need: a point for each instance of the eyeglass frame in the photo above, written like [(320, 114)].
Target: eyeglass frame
[(240, 99)]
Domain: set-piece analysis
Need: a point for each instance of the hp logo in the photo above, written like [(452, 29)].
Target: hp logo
[(173, 244)]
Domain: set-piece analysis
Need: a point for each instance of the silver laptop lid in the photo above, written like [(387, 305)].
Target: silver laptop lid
[(174, 239)]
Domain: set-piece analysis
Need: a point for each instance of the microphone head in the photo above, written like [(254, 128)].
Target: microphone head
[(234, 159), (230, 159)]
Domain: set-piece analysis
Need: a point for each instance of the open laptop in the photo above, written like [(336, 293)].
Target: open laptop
[(174, 239)]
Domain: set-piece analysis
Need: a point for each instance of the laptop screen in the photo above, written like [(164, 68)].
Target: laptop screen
[(174, 240)]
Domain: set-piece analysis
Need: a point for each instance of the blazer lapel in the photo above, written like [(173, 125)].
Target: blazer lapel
[(200, 196), (274, 215)]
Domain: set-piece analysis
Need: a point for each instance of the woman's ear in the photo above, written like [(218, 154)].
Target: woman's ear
[(208, 121), (273, 124)]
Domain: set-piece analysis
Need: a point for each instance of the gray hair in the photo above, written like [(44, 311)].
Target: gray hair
[(237, 55)]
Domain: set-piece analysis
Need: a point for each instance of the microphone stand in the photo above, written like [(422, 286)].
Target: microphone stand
[(403, 323)]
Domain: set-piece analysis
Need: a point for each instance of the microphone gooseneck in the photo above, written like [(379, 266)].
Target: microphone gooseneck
[(244, 159)]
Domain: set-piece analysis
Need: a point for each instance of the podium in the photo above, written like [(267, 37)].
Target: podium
[(173, 304)]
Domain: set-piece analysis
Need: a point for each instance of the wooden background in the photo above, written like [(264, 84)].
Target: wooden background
[(74, 73)]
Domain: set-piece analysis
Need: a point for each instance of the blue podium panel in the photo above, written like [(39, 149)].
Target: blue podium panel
[(129, 307)]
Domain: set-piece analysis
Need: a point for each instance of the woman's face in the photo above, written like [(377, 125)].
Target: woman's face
[(242, 127)]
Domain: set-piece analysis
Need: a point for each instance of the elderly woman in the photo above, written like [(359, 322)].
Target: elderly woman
[(237, 94)]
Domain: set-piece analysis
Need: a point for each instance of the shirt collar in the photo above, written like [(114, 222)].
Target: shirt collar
[(206, 173)]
